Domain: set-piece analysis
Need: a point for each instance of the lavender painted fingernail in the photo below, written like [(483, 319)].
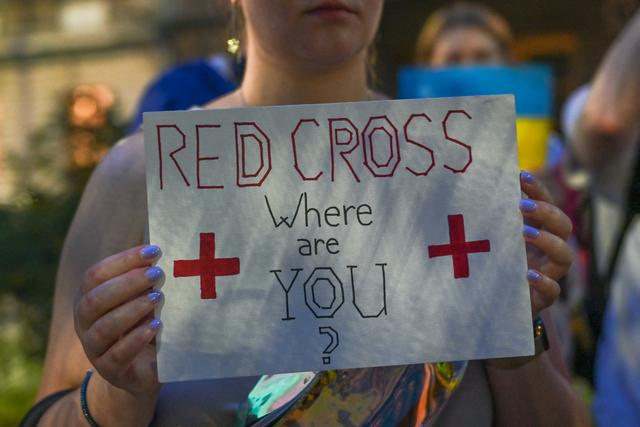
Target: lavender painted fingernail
[(150, 252), (154, 297), (527, 177), (154, 274), (530, 231), (528, 205), (533, 275), (155, 324)]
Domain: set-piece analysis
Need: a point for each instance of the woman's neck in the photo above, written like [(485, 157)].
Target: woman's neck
[(270, 83)]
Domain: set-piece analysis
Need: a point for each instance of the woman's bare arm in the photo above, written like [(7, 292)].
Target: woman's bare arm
[(110, 218), (536, 391)]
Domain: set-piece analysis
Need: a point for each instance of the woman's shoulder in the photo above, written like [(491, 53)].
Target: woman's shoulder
[(231, 100), (118, 181), (125, 162), (126, 159)]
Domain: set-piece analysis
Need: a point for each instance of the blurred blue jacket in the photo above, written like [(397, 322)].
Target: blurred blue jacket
[(186, 85)]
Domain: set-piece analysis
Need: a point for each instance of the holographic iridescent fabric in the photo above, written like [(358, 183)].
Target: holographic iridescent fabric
[(410, 395)]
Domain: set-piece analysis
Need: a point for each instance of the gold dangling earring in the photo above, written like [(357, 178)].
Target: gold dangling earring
[(233, 42)]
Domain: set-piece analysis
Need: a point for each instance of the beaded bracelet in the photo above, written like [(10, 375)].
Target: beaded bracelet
[(83, 400)]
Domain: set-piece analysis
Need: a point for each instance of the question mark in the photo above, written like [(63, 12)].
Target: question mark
[(333, 335)]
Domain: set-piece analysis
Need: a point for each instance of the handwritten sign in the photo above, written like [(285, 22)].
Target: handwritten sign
[(305, 238)]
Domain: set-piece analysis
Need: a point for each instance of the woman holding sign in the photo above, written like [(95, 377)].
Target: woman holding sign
[(298, 51)]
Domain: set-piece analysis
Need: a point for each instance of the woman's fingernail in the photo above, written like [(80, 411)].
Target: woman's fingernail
[(528, 205), (533, 275), (527, 177), (155, 324), (530, 231), (154, 273), (154, 297), (150, 252)]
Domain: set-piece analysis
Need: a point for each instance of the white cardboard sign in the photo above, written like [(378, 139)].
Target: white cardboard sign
[(313, 237)]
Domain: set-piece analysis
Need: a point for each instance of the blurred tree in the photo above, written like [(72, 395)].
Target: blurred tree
[(50, 177)]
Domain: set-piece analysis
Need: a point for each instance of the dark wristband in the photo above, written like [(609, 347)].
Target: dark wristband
[(540, 340)]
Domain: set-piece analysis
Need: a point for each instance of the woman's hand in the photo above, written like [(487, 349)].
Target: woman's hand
[(546, 231), (114, 320)]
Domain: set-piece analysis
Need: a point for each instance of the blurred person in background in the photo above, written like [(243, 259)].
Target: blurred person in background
[(297, 52), (472, 34), (606, 143), (186, 85), (464, 34)]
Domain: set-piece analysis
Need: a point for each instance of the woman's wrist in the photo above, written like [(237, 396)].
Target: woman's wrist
[(541, 344), (110, 405)]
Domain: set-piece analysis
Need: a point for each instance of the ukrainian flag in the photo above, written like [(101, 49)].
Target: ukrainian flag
[(532, 86)]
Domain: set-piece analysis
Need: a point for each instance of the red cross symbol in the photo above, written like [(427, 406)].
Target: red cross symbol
[(207, 267), (459, 249)]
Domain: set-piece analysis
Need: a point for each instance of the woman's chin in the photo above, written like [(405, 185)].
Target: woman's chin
[(332, 52)]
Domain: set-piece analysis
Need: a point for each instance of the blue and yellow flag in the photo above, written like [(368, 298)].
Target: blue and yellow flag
[(532, 86)]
